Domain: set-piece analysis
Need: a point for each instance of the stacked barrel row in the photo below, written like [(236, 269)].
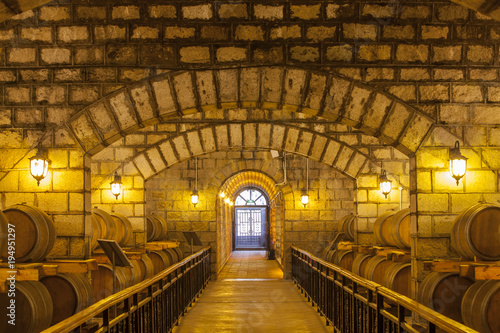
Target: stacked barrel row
[(475, 235)]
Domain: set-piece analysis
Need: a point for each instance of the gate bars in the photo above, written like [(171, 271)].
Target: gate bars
[(151, 306), (353, 304)]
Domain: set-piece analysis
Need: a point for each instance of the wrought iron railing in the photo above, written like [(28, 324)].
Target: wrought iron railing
[(151, 306), (353, 304)]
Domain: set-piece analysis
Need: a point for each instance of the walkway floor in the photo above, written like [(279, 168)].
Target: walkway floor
[(251, 296)]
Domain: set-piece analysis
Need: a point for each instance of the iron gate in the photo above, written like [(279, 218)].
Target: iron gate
[(250, 228)]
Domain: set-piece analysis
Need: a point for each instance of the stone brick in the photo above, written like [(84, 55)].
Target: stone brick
[(415, 12), (359, 31), (448, 74), (493, 94), (28, 116), (200, 12), (214, 32), (334, 10), (50, 94), (125, 13), (72, 34), (469, 32), (436, 92), (91, 12), (5, 117), (485, 115), (434, 32), (21, 55), (7, 35), (305, 12), (68, 75), (476, 136), (339, 53), (174, 32), (378, 11), (452, 13), (447, 53), (121, 55), (480, 181), (17, 95), (454, 114), (162, 11), (412, 53), (55, 55), (432, 202), (467, 93), (109, 32), (493, 136), (267, 55), (483, 74), (480, 54), (374, 53), (229, 54), (232, 11), (89, 55), (320, 33), (195, 54), (8, 76), (133, 74), (263, 12), (405, 92), (398, 32), (42, 34), (249, 33), (101, 74), (378, 74), (84, 94), (414, 74), (304, 53), (54, 13), (142, 32)]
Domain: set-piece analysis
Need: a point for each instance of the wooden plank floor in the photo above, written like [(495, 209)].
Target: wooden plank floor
[(250, 296)]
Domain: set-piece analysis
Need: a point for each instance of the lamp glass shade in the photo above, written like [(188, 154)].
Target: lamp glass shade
[(458, 163), (304, 199), (194, 198), (39, 165), (222, 194), (385, 184), (116, 186)]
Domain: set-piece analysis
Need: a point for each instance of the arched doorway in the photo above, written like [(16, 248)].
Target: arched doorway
[(251, 227)]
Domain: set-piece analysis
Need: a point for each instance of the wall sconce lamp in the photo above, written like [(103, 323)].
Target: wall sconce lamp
[(231, 204), (116, 186), (227, 201), (222, 194), (385, 184), (304, 198), (458, 162), (194, 197), (39, 165)]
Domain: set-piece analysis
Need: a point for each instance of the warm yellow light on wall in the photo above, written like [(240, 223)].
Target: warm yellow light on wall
[(227, 201), (458, 163), (385, 184), (231, 203), (194, 198), (39, 165), (116, 186), (222, 194)]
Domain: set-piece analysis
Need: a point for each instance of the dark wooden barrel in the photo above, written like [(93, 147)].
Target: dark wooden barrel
[(376, 268), (443, 292), (34, 228), (106, 222), (146, 267), (180, 255), (160, 260), (33, 308), (164, 230), (382, 229), (476, 232), (331, 255), (346, 225), (481, 306), (96, 232), (123, 229), (70, 294), (102, 281), (153, 228), (400, 229), (398, 278), (344, 259), (359, 264)]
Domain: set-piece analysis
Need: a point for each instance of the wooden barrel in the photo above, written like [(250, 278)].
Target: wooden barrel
[(400, 229), (346, 225), (476, 232), (331, 255), (344, 259), (123, 229), (102, 281), (398, 278), (376, 268), (481, 306), (146, 267), (106, 222), (359, 264), (33, 308), (34, 228), (160, 260), (153, 228), (180, 255), (443, 292), (382, 229), (96, 232), (164, 230), (70, 294)]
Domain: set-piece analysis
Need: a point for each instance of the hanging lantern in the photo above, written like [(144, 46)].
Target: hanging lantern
[(304, 198), (194, 198), (458, 163), (39, 165), (116, 186), (222, 194), (385, 184)]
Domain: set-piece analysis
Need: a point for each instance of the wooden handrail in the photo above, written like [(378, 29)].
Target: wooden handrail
[(97, 308), (424, 312)]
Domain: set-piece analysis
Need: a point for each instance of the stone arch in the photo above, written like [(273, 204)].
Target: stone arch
[(176, 94)]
